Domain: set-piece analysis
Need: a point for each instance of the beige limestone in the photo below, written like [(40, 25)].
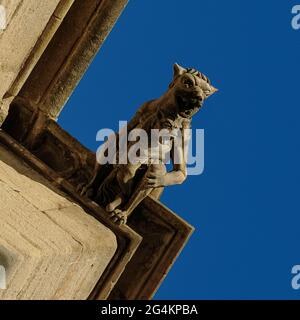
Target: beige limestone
[(27, 20), (50, 247)]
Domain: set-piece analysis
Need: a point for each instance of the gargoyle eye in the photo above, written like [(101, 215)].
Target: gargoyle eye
[(188, 82)]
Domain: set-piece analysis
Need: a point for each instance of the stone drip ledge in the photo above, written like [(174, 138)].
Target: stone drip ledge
[(127, 239), (50, 248)]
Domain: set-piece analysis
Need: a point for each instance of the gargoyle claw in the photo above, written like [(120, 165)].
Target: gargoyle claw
[(119, 217)]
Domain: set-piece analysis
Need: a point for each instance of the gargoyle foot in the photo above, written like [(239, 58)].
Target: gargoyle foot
[(118, 216)]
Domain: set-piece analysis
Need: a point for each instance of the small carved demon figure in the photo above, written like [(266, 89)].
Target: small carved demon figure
[(124, 186)]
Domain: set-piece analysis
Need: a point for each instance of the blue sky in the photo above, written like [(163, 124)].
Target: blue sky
[(245, 206)]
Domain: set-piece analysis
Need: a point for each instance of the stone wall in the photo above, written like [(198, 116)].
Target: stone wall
[(52, 42), (50, 247), (30, 26)]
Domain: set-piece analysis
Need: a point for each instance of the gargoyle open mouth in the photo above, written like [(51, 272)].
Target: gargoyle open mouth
[(188, 105)]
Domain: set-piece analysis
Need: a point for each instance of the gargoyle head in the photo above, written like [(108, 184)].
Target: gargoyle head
[(190, 88)]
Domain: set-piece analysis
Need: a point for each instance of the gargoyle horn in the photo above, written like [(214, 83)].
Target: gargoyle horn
[(178, 70)]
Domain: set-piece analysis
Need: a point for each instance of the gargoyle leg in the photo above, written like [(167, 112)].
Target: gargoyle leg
[(138, 196), (115, 204), (120, 216)]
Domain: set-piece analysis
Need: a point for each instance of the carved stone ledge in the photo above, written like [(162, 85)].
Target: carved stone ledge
[(51, 249), (164, 235), (127, 239)]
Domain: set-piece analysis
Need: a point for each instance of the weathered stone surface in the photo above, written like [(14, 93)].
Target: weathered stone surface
[(164, 236), (62, 37), (32, 24), (27, 20), (11, 7), (70, 52), (50, 247)]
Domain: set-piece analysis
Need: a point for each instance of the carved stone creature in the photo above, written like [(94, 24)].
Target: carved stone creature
[(125, 185)]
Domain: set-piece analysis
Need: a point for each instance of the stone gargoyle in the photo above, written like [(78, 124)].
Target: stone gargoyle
[(122, 187)]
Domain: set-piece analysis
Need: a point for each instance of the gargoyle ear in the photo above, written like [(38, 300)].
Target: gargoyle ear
[(211, 91), (178, 70)]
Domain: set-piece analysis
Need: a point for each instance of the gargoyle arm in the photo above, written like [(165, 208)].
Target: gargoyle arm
[(179, 172)]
